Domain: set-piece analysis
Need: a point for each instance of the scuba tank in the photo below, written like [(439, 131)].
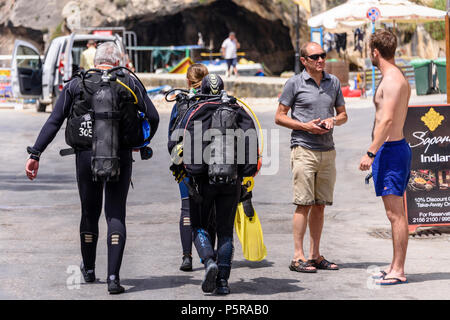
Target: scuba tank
[(218, 160), (222, 168), (105, 162), (105, 119)]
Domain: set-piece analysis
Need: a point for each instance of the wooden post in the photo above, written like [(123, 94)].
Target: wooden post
[(297, 42), (447, 49)]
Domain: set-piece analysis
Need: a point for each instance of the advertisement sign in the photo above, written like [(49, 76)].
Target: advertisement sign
[(5, 84), (427, 197)]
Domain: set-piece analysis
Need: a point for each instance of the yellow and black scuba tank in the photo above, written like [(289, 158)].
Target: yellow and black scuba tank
[(219, 157), (206, 147)]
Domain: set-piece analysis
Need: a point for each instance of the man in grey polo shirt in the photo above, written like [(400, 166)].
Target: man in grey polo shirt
[(317, 105)]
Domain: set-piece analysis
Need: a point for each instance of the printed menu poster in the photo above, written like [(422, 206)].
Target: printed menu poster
[(427, 130)]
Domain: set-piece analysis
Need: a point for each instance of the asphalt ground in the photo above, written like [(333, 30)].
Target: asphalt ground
[(39, 225)]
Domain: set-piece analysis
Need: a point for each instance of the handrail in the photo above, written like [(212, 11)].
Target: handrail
[(407, 70)]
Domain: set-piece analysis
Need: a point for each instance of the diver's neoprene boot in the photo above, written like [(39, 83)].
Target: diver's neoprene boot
[(222, 287), (209, 281), (88, 275), (186, 265), (114, 286)]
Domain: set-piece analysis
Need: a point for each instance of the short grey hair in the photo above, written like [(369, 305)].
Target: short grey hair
[(107, 52)]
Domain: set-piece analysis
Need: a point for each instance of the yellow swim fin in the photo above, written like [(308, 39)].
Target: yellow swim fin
[(249, 231)]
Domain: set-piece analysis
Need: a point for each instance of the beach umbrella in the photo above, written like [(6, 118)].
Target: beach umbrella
[(353, 13)]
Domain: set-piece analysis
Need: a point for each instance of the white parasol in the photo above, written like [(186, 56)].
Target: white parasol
[(353, 13)]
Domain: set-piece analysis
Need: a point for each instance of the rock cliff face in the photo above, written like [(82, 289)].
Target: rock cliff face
[(265, 28)]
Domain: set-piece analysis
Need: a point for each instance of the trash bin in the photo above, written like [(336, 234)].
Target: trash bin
[(422, 75), (441, 68)]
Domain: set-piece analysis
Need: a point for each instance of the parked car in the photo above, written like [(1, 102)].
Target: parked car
[(44, 80)]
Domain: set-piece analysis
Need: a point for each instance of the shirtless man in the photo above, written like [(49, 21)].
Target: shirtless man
[(389, 154)]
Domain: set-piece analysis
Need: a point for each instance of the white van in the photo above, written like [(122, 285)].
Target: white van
[(44, 81)]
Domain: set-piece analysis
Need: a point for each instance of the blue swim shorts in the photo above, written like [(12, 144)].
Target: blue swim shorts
[(391, 168), (231, 62)]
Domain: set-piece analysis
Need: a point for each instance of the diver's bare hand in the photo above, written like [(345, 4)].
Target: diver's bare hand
[(31, 168)]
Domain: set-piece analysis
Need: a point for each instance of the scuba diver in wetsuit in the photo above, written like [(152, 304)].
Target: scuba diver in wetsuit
[(74, 94), (194, 76), (218, 183)]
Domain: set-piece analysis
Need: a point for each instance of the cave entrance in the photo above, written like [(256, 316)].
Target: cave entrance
[(262, 40)]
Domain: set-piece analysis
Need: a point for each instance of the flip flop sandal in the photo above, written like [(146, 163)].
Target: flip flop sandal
[(380, 275), (396, 281), (324, 264), (302, 266)]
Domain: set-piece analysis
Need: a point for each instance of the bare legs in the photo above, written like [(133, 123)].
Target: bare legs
[(315, 216), (230, 71), (299, 223), (396, 214), (316, 219)]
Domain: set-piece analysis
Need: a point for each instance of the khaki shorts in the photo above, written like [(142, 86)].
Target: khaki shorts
[(314, 176)]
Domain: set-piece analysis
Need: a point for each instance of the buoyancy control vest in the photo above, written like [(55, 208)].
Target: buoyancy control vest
[(106, 119), (220, 141), (185, 104)]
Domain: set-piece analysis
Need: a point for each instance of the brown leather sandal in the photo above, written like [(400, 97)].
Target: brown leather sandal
[(324, 264), (302, 266)]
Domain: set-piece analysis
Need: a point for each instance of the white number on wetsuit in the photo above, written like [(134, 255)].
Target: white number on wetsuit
[(86, 129)]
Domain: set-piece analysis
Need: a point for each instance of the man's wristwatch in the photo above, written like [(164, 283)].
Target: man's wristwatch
[(334, 120), (370, 154), (34, 154)]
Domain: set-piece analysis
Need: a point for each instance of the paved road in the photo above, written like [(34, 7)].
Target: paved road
[(39, 242)]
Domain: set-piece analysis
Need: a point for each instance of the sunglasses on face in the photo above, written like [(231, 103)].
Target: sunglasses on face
[(317, 56)]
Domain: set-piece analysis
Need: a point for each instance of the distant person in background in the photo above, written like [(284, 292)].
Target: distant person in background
[(229, 52), (87, 56)]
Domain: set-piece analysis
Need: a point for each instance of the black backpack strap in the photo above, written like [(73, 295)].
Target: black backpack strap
[(79, 84), (111, 115)]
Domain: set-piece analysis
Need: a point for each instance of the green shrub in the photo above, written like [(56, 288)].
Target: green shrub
[(57, 32), (437, 29)]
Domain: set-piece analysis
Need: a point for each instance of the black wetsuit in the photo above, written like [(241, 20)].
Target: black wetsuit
[(184, 223), (225, 198), (91, 193)]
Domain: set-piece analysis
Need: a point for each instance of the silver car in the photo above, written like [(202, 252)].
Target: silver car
[(44, 81)]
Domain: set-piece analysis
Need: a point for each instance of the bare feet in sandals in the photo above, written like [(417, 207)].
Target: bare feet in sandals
[(324, 264), (392, 279), (302, 266), (382, 273)]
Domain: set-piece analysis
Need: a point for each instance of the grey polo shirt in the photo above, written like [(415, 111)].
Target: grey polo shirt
[(308, 102)]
